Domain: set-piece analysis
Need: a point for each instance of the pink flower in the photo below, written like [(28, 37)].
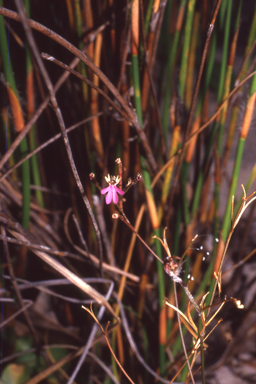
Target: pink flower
[(112, 191)]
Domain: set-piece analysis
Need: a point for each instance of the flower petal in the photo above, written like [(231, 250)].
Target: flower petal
[(112, 193), (104, 190), (119, 191), (115, 195), (109, 196)]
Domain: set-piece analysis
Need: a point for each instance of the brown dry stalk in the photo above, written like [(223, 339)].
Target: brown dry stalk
[(135, 26), (16, 110)]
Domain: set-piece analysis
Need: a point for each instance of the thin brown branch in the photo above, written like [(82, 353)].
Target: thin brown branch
[(181, 334), (117, 216), (87, 81), (48, 142), (16, 288)]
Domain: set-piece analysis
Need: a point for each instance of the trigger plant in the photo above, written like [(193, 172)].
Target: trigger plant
[(112, 190)]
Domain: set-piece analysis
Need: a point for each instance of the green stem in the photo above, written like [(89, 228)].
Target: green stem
[(147, 183), (8, 73), (186, 44), (32, 134), (169, 76)]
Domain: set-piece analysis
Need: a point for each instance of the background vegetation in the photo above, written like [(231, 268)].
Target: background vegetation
[(161, 94)]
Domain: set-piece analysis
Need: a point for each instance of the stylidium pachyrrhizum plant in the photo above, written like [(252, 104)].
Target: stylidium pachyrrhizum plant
[(173, 268)]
